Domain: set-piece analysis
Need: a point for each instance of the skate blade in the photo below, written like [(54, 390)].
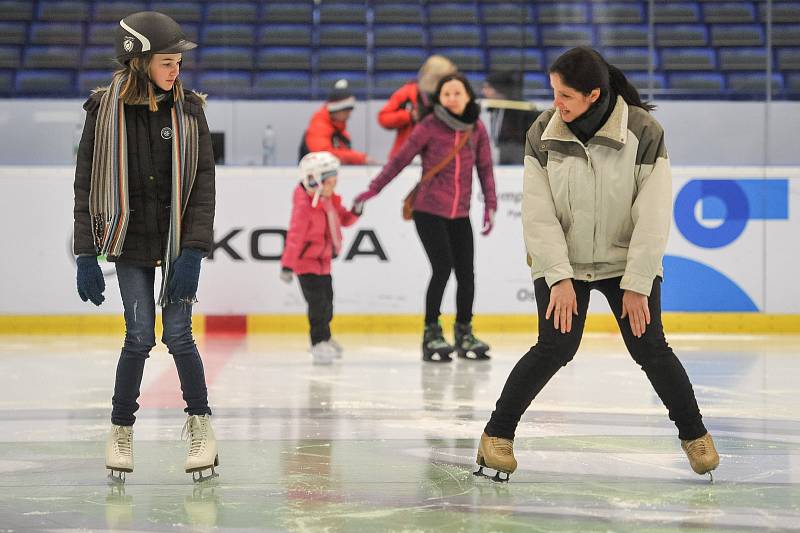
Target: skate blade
[(470, 355), (116, 477), (497, 478), (199, 479)]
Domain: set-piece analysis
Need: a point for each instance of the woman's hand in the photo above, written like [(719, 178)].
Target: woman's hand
[(563, 304), (634, 306), (488, 221), (364, 196)]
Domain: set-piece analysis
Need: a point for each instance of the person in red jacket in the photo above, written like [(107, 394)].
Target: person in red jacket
[(327, 131), (313, 239), (413, 101)]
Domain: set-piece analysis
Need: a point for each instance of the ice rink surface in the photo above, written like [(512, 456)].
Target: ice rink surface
[(381, 441)]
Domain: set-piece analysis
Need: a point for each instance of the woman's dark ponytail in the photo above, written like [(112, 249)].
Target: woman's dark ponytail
[(623, 87)]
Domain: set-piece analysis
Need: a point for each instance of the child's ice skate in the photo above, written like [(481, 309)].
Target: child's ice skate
[(119, 452), (468, 346), (337, 348), (702, 454), (496, 453), (323, 353), (202, 447), (434, 348)]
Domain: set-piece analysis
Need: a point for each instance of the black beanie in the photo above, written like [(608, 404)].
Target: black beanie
[(340, 98)]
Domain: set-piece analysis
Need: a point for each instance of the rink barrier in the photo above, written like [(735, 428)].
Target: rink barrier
[(744, 323)]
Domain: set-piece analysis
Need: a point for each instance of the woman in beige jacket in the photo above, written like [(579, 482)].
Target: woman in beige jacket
[(596, 212)]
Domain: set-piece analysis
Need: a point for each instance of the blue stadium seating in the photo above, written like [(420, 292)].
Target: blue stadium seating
[(702, 48)]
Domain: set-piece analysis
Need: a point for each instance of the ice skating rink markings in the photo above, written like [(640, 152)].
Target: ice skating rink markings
[(382, 442)]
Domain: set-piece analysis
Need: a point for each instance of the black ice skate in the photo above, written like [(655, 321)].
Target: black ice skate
[(434, 348), (468, 346)]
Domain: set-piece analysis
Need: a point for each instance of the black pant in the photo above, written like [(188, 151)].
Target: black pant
[(448, 243), (136, 288), (555, 349), (318, 292)]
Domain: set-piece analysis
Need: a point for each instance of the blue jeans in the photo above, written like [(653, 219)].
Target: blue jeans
[(136, 284)]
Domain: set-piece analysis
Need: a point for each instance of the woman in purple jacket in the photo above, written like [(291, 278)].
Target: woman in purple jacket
[(441, 208)]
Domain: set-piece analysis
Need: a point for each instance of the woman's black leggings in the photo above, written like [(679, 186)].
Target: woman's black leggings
[(448, 243)]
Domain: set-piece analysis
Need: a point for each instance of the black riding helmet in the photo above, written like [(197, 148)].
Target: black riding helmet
[(149, 32)]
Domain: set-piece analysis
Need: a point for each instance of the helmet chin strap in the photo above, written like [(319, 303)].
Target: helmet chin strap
[(315, 201)]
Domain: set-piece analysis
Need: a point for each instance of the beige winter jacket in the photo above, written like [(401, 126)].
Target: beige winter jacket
[(597, 211)]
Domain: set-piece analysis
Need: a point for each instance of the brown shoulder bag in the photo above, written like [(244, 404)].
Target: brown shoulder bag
[(408, 201)]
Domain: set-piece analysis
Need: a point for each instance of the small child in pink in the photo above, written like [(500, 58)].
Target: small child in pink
[(313, 240)]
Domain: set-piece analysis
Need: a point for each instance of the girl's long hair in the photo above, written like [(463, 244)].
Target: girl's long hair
[(138, 88), (584, 69)]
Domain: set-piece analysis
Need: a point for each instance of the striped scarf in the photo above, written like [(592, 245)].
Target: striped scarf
[(108, 198)]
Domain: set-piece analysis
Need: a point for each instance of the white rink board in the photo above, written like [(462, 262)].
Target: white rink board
[(38, 275)]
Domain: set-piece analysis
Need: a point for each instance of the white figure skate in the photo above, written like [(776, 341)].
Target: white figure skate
[(202, 447)]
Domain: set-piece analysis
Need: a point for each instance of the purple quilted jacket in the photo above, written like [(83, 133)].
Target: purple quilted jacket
[(447, 194)]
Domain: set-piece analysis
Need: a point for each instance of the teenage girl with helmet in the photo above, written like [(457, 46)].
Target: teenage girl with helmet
[(313, 240), (144, 198)]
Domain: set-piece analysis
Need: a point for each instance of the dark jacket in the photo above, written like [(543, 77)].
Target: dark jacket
[(149, 183), (509, 127)]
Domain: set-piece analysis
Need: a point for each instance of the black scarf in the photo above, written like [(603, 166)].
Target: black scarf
[(585, 126)]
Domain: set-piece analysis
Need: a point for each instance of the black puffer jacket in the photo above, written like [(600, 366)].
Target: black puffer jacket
[(149, 183)]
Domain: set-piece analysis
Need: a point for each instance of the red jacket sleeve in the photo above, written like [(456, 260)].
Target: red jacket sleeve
[(298, 228), (319, 137), (346, 217), (392, 116)]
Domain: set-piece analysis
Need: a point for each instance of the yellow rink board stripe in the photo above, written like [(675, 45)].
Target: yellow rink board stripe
[(673, 323)]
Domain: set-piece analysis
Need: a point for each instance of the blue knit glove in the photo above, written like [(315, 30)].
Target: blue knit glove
[(91, 282), (185, 276)]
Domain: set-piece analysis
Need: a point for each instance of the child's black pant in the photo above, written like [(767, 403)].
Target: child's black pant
[(318, 292)]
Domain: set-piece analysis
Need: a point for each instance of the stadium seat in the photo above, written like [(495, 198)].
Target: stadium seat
[(398, 35), (180, 11), (88, 80), (466, 59), (737, 35), (351, 59), (116, 11), (688, 59), (786, 35), (453, 14), (707, 82), (231, 12), (754, 84), (284, 59), (518, 35), (403, 59), (226, 58), (63, 11), (10, 57), (299, 11), (567, 35), (338, 13), (681, 35), (98, 57), (629, 59), (643, 82), (629, 13), (51, 33), (229, 35), (283, 84), (788, 59), (285, 34), (45, 83), (6, 83), (12, 32), (623, 35), (61, 57), (525, 60), (536, 84), (397, 14), (743, 59), (676, 13), (462, 35), (562, 13), (343, 35), (793, 84), (356, 81), (226, 83), (781, 12), (16, 11), (507, 14), (384, 84), (729, 12)]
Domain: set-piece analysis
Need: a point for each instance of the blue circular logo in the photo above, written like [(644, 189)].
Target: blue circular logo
[(737, 212)]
